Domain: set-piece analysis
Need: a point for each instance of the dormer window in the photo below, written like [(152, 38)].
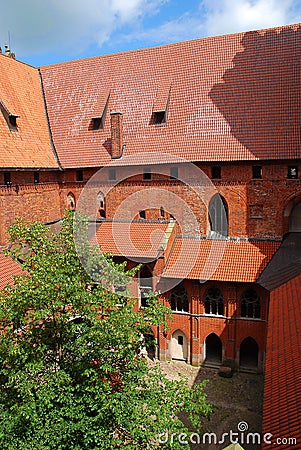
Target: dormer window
[(100, 111), (10, 117), (161, 103), (13, 120), (159, 117), (97, 123)]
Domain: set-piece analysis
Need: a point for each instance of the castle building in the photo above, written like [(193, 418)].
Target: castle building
[(187, 158)]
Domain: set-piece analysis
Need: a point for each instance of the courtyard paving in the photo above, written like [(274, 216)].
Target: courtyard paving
[(237, 403)]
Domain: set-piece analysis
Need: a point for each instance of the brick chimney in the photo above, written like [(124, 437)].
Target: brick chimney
[(116, 134)]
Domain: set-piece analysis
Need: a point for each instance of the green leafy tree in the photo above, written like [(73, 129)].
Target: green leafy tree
[(70, 372)]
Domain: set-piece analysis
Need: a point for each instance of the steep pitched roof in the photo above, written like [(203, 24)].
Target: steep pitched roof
[(26, 145), (218, 260), (282, 390), (8, 269), (233, 97)]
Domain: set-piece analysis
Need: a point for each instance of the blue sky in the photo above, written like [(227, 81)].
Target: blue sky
[(44, 32)]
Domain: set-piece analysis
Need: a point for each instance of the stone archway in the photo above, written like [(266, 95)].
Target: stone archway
[(213, 349), (248, 354)]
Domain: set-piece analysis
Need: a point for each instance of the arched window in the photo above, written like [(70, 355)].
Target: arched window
[(295, 219), (70, 201), (218, 217), (101, 204), (250, 304), (145, 285), (179, 299), (214, 302)]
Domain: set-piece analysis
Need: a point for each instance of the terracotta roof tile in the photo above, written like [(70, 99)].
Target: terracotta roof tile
[(218, 260), (282, 392), (8, 268), (233, 97), (29, 145), (132, 239)]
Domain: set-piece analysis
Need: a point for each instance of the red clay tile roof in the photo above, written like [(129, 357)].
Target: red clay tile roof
[(8, 268), (218, 260), (28, 146), (282, 390), (233, 97), (140, 240)]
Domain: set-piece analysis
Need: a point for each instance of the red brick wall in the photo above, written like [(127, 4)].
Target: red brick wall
[(28, 200), (256, 207), (231, 328)]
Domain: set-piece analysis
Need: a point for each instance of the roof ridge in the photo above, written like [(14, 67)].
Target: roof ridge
[(171, 44)]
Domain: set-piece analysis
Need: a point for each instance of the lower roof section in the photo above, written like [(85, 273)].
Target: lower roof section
[(220, 260), (282, 392), (8, 269), (139, 240)]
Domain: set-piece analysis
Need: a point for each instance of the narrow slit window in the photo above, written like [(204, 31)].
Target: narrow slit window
[(79, 175), (7, 179), (147, 173), (216, 172), (257, 172), (292, 172), (36, 177)]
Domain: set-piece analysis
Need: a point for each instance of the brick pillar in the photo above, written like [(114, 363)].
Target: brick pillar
[(116, 134)]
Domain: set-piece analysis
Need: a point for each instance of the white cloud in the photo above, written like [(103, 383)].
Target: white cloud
[(55, 25), (70, 27), (229, 16), (216, 17)]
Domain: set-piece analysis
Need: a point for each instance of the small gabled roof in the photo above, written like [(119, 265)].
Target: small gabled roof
[(230, 98), (27, 144)]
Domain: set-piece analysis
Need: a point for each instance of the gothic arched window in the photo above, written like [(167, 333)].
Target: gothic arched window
[(101, 204), (214, 302), (179, 299), (218, 216), (250, 304)]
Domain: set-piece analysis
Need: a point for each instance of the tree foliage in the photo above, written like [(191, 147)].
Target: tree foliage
[(70, 372)]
